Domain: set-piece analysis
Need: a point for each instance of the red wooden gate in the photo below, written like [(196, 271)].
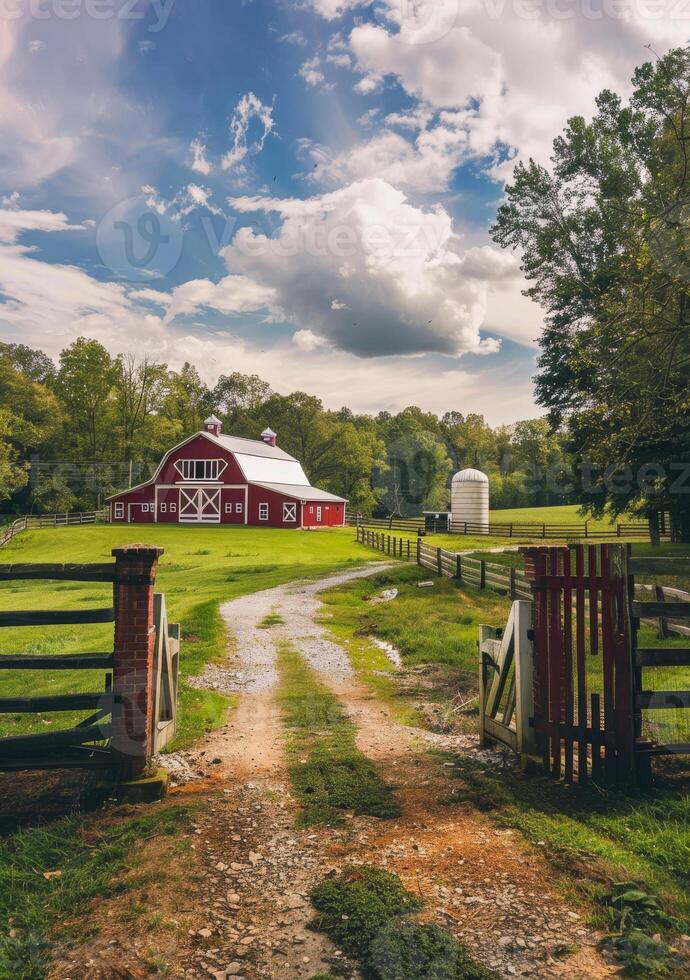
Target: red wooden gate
[(583, 695)]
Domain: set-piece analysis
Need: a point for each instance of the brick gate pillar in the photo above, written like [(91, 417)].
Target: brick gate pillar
[(135, 574)]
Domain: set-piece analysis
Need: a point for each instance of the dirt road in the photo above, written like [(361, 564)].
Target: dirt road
[(487, 886)]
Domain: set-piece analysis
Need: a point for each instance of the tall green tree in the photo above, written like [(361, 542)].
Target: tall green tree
[(603, 240), (84, 385)]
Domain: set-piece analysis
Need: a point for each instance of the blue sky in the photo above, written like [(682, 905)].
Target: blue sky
[(301, 190)]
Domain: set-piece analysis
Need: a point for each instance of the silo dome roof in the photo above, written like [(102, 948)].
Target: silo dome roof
[(470, 476)]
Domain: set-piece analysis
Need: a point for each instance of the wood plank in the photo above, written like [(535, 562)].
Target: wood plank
[(56, 702), (662, 657), (670, 610), (17, 745), (95, 572), (660, 700), (494, 729), (659, 566), (581, 663), (568, 691), (61, 617), (69, 661)]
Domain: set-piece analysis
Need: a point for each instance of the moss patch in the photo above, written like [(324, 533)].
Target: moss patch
[(365, 912)]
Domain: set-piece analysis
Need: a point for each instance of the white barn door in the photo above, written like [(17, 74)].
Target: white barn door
[(199, 505)]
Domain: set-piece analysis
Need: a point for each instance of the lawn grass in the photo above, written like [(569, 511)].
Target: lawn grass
[(329, 775), (200, 568), (563, 514), (51, 873)]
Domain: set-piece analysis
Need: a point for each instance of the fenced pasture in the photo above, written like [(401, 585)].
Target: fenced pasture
[(200, 568), (499, 527)]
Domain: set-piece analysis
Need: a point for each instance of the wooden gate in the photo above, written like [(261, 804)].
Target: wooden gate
[(506, 697), (133, 714), (583, 692)]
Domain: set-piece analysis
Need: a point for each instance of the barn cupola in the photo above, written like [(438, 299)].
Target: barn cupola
[(213, 425), (269, 437)]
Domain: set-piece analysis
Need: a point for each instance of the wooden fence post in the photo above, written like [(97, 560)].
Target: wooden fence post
[(482, 573), (419, 551), (458, 567), (408, 549), (133, 659), (511, 589), (438, 561), (524, 679)]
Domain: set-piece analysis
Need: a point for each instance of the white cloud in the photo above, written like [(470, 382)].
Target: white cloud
[(35, 47), (332, 9), (199, 160), (146, 46), (520, 69), (311, 72), (424, 164), (307, 341), (14, 221), (250, 107), (367, 271), (232, 295)]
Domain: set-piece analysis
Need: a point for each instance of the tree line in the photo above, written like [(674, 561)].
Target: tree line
[(74, 432)]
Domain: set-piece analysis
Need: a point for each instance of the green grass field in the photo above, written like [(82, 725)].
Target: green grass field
[(200, 568), (567, 514)]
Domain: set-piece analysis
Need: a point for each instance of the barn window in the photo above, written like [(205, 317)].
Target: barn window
[(163, 508), (318, 513), (263, 512), (228, 508), (200, 469), (289, 512), (119, 511), (173, 508), (311, 510), (144, 508), (238, 508)]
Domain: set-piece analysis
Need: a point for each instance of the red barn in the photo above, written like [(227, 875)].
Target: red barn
[(212, 478)]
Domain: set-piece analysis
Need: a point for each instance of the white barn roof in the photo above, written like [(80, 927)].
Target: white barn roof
[(303, 492)]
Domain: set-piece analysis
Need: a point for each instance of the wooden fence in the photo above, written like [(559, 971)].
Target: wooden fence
[(470, 571), (513, 529), (591, 695), (31, 523), (134, 714)]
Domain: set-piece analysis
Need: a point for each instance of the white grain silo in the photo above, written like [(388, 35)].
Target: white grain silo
[(469, 501)]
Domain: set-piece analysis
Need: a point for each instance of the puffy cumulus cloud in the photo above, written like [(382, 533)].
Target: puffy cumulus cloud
[(250, 107), (232, 295), (521, 68), (423, 165), (367, 271), (307, 341)]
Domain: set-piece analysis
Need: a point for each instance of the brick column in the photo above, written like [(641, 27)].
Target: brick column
[(135, 574)]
